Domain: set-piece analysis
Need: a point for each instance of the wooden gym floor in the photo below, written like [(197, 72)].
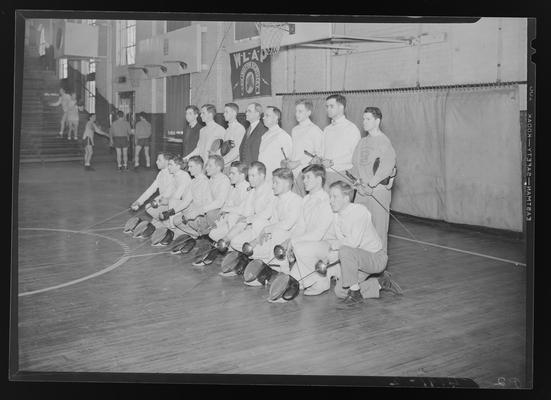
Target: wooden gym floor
[(93, 299)]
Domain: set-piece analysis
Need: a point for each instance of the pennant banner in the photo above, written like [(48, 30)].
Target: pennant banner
[(250, 73)]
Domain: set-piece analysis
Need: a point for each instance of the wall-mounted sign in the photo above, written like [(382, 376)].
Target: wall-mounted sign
[(250, 73)]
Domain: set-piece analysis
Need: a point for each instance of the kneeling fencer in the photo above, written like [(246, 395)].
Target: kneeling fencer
[(284, 217), (257, 209), (230, 211), (360, 250), (313, 225), (163, 183), (254, 214), (189, 205), (207, 213), (165, 229)]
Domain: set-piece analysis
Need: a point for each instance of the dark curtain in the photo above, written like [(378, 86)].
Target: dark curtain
[(177, 99), (458, 150)]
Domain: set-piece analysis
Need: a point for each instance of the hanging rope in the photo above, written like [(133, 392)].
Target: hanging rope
[(201, 86)]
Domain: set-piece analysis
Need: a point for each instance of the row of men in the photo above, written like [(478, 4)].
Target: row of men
[(247, 206), (339, 147)]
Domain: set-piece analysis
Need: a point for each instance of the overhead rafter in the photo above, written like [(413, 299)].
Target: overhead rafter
[(182, 64), (161, 66)]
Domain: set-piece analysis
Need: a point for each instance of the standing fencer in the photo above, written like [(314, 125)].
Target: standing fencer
[(192, 129), (340, 138), (208, 134), (374, 163), (305, 136), (234, 133), (276, 144)]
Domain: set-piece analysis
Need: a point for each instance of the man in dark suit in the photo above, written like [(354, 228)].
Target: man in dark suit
[(250, 145)]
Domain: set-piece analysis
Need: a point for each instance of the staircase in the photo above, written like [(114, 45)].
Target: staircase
[(39, 138)]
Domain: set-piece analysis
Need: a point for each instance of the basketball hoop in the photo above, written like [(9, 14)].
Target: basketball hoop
[(271, 35)]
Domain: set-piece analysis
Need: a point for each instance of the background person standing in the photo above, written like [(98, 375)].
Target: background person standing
[(143, 140), (119, 133)]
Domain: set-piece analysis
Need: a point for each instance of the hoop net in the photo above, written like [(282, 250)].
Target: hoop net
[(271, 35)]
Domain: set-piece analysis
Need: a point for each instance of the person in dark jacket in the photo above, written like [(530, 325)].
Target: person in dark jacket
[(250, 145)]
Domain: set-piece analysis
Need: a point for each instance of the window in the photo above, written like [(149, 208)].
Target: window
[(245, 30), (173, 25), (125, 42), (42, 45), (90, 100), (89, 21), (62, 68)]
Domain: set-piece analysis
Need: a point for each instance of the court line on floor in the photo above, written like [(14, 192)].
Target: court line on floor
[(516, 263), (119, 262), (111, 267), (104, 229)]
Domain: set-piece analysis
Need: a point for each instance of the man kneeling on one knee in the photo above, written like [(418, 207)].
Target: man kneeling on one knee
[(285, 215), (360, 250), (165, 185), (204, 213), (233, 205), (256, 210), (311, 229)]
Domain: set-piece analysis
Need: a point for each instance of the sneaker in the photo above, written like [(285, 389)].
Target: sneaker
[(126, 167), (314, 290), (388, 284), (120, 167), (229, 273), (353, 297), (253, 283), (90, 168), (199, 263)]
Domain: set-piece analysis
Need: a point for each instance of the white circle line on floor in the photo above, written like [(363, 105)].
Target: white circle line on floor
[(111, 267)]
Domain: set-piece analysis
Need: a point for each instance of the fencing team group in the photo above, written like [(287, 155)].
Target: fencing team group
[(265, 187)]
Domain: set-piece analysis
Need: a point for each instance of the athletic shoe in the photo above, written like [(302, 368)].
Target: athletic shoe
[(253, 283), (314, 290), (90, 168), (199, 263), (388, 284), (120, 167), (229, 273), (126, 167), (353, 297)]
